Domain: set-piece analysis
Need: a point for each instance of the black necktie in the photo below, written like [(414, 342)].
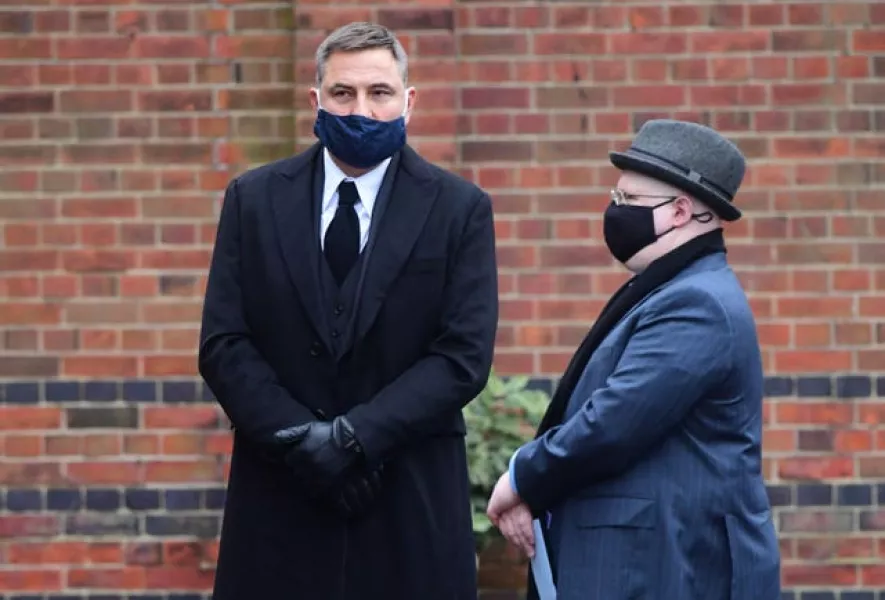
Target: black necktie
[(342, 242)]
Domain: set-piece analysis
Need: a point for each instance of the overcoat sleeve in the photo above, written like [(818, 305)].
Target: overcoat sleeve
[(457, 364), (243, 383), (679, 350)]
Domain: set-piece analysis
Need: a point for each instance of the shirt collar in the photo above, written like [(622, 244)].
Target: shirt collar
[(367, 184)]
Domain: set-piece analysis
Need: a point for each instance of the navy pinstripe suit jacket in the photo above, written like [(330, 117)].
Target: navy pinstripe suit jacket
[(653, 480)]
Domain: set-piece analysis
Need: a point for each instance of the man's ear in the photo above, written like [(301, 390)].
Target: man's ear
[(411, 97), (314, 98), (683, 208)]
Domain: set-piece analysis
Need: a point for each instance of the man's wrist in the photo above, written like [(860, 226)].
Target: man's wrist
[(512, 472), (345, 436)]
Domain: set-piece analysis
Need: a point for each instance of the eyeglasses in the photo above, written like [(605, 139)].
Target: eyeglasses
[(620, 197)]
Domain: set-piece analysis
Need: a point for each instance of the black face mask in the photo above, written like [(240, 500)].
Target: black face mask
[(629, 228)]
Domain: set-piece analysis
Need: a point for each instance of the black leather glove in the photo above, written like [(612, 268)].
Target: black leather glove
[(321, 454), (358, 493)]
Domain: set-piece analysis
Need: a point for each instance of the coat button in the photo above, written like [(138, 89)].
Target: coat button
[(315, 349), (335, 333), (339, 310)]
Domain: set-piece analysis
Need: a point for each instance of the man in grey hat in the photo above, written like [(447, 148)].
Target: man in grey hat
[(645, 476)]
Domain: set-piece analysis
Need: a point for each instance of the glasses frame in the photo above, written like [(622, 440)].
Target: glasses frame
[(620, 198)]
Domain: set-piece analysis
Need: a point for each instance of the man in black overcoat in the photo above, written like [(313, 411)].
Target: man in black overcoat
[(350, 314)]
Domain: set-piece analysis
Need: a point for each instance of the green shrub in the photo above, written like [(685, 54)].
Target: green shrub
[(502, 418)]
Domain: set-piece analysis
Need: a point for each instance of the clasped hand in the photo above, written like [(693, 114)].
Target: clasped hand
[(511, 516), (326, 458)]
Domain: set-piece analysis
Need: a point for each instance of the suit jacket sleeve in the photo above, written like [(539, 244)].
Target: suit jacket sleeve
[(243, 383), (678, 351), (457, 363)]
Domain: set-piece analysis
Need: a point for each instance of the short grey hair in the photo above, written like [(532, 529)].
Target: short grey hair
[(361, 36)]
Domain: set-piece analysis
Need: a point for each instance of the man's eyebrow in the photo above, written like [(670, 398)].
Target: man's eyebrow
[(346, 86)]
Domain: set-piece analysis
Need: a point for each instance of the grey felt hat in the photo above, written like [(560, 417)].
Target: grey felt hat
[(690, 157)]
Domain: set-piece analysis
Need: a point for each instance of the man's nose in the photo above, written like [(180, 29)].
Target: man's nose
[(362, 107)]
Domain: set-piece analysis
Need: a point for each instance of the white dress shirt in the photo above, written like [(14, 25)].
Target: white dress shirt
[(367, 185)]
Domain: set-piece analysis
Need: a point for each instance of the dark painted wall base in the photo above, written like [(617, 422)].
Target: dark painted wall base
[(194, 390)]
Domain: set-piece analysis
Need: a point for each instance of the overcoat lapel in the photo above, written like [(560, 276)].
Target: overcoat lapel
[(296, 220), (412, 197)]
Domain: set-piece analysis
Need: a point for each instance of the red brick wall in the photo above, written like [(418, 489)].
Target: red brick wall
[(121, 121)]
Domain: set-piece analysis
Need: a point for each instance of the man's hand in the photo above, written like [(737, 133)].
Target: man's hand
[(516, 526), (320, 453), (357, 495), (503, 498)]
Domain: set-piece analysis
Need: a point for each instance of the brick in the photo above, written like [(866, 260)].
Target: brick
[(28, 526), (656, 43), (18, 500), (27, 102), (29, 579), (808, 41), (485, 98), (180, 392), (815, 441), (98, 101), (102, 500), (126, 417), (175, 101), (137, 499), (182, 500), (194, 47), (197, 526), (63, 500), (20, 392), (126, 578), (868, 93), (868, 41), (721, 42), (811, 468), (416, 19)]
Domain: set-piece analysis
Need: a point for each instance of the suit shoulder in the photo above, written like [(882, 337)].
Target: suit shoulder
[(258, 175), (457, 188), (698, 290)]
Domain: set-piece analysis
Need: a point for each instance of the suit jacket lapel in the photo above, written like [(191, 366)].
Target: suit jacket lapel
[(413, 193), (296, 220)]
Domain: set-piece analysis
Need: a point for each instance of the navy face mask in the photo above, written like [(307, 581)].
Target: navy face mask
[(359, 141)]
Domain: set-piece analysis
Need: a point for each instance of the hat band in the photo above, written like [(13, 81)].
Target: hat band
[(692, 176)]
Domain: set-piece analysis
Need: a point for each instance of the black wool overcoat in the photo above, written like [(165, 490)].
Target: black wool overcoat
[(420, 348)]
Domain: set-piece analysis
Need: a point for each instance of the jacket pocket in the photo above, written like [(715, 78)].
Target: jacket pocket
[(607, 553), (755, 557)]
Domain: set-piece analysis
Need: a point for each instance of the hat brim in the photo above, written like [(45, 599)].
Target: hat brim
[(647, 166)]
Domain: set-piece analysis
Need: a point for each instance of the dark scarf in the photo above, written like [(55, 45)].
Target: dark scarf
[(629, 295)]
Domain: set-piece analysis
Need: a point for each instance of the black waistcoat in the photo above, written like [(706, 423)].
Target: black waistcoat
[(341, 303)]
